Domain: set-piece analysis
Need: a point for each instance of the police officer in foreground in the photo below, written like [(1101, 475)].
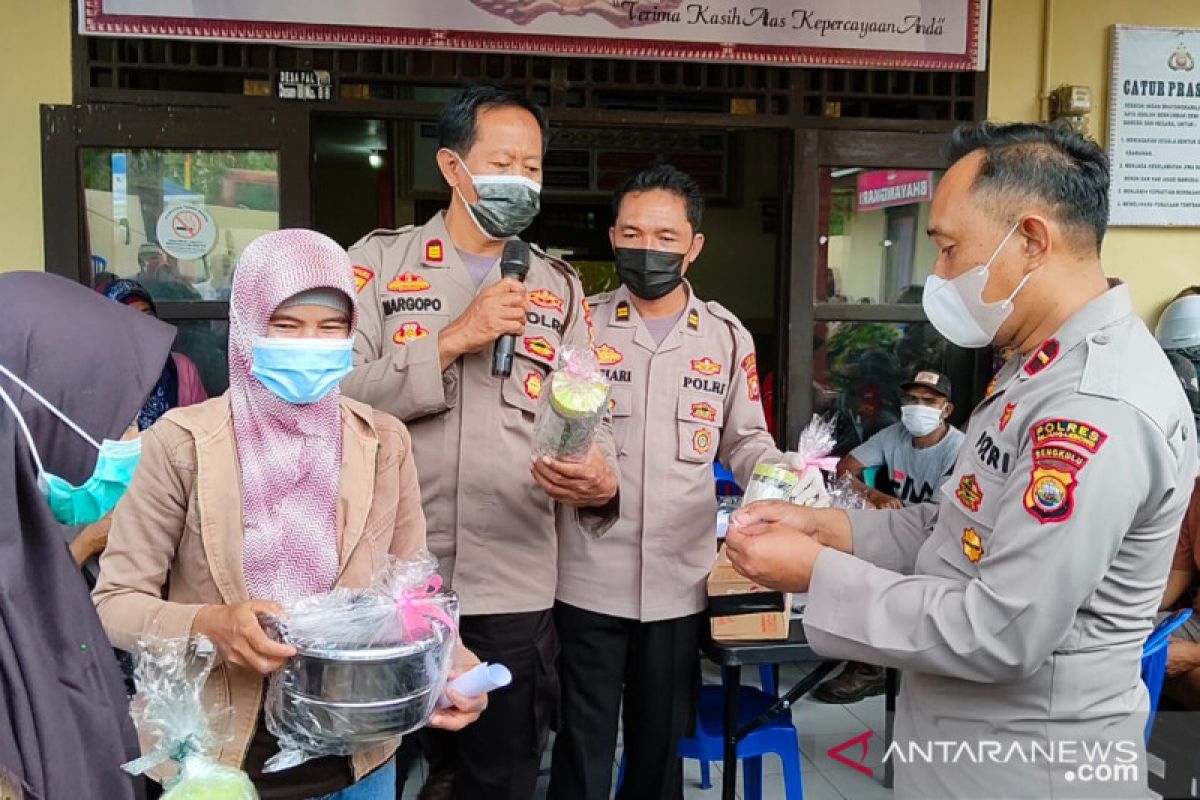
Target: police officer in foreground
[(1016, 605), (630, 607), (432, 304)]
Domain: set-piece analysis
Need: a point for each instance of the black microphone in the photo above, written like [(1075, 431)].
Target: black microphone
[(514, 263)]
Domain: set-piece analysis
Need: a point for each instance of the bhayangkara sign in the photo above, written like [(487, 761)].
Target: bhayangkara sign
[(884, 188), (1154, 127), (904, 34)]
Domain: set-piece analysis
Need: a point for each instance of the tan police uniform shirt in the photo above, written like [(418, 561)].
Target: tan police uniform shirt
[(677, 407), (492, 527), (1018, 603)]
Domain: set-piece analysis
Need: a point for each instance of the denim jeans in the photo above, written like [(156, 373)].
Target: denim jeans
[(379, 785)]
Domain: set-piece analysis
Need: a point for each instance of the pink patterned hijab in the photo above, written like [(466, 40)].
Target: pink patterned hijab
[(290, 456)]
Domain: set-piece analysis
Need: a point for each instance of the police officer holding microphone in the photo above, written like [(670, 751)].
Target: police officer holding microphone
[(434, 303), (1018, 603)]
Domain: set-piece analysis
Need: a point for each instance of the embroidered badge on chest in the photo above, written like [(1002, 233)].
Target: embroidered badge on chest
[(408, 282), (533, 386), (608, 355), (693, 320), (622, 312), (705, 412), (702, 441), (544, 298), (972, 545), (410, 332), (539, 346), (706, 366), (969, 493)]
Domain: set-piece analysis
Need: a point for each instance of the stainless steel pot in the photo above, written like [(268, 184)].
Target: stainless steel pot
[(365, 694)]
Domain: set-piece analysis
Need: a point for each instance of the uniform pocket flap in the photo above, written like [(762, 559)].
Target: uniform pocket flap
[(621, 401), (524, 387)]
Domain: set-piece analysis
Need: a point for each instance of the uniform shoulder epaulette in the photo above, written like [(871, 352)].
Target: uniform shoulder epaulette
[(600, 299), (380, 232), (722, 313), (554, 261)]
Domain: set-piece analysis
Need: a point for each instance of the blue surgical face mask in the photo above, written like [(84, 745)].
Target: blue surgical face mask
[(301, 371), (92, 500)]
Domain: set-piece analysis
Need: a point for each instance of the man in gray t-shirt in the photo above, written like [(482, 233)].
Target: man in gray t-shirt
[(916, 452)]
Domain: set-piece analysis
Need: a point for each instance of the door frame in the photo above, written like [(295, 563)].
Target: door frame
[(67, 130), (817, 150)]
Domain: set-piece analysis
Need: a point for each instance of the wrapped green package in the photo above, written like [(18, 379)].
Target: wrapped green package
[(571, 406), (169, 714), (201, 778), (771, 482)]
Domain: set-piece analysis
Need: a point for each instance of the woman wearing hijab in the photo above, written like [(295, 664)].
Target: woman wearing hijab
[(279, 489), (179, 384), (66, 392)]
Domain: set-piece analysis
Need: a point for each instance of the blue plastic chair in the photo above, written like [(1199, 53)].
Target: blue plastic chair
[(725, 481), (778, 736), (1154, 660)]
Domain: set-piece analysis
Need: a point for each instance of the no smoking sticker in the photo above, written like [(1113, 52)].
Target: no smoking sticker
[(186, 232)]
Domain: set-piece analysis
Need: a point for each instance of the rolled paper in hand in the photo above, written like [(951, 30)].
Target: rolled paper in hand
[(481, 679)]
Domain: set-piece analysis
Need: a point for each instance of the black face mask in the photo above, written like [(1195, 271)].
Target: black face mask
[(649, 274)]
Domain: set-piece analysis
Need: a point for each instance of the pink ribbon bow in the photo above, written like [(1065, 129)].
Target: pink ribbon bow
[(416, 609), (828, 464)]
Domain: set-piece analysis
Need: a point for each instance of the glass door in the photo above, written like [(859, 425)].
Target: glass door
[(860, 261), (169, 199)]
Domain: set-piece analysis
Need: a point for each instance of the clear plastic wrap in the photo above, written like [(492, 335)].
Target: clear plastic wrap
[(370, 666), (798, 479), (845, 495), (167, 709), (572, 404)]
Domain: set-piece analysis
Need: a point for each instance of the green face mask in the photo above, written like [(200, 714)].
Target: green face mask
[(91, 501)]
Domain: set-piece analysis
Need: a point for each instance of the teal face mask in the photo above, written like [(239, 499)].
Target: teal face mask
[(301, 371), (90, 502)]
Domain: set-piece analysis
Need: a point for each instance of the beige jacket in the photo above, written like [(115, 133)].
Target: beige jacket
[(492, 527), (677, 407), (178, 533)]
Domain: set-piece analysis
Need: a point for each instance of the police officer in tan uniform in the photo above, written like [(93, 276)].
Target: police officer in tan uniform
[(432, 304), (1018, 603), (630, 604)]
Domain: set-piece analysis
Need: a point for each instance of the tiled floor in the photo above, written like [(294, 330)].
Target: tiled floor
[(820, 727)]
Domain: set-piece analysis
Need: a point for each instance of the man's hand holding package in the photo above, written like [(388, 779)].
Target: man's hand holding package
[(587, 484), (776, 544), (810, 491)]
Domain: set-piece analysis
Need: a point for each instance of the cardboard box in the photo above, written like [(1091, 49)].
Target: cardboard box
[(758, 613)]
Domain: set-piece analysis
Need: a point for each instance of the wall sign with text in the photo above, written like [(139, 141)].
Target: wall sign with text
[(1154, 127), (900, 34)]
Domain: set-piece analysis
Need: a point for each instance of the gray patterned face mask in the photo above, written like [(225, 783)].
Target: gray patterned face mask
[(507, 203)]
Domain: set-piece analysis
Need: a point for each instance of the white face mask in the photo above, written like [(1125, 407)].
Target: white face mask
[(957, 309), (920, 420)]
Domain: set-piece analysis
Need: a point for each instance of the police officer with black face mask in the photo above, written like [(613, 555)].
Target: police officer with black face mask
[(631, 603)]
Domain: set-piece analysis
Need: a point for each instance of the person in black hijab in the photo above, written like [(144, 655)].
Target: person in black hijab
[(65, 730)]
